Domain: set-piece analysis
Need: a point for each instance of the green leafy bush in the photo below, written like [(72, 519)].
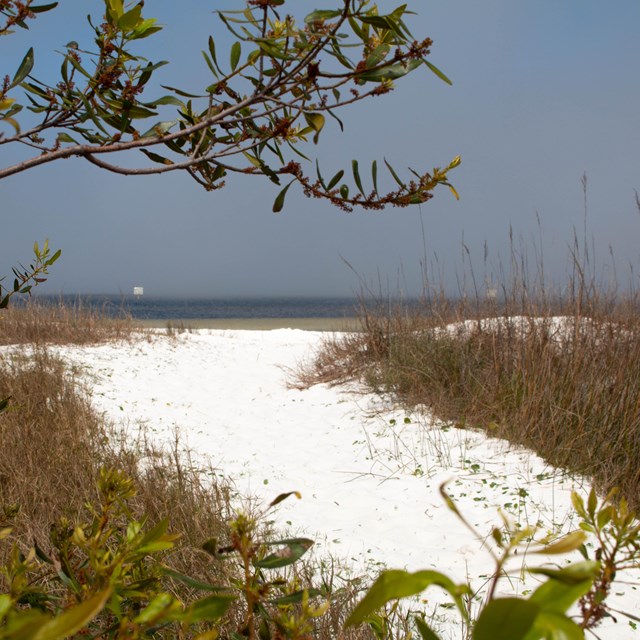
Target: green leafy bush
[(110, 577)]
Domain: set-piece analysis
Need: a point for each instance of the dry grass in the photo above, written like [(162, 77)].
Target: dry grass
[(53, 445), (567, 389), (32, 322)]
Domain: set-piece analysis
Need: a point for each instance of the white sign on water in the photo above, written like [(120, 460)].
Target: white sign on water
[(138, 291)]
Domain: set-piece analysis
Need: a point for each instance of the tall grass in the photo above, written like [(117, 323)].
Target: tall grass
[(556, 370), (33, 322), (53, 445)]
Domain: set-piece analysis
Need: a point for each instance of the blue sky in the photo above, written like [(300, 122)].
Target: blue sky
[(543, 92)]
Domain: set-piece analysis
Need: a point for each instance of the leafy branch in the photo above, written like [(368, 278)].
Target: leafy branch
[(271, 97), (25, 278)]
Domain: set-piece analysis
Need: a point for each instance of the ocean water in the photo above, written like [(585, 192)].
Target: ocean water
[(166, 308)]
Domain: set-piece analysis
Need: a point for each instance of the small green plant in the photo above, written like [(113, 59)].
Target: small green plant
[(25, 278), (615, 530), (545, 613), (109, 578)]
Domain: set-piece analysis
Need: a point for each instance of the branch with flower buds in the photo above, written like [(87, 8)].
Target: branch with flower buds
[(272, 96)]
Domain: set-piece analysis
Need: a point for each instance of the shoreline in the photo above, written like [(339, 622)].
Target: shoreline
[(251, 324)]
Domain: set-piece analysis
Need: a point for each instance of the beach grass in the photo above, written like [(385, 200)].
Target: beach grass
[(55, 445), (32, 322), (559, 374)]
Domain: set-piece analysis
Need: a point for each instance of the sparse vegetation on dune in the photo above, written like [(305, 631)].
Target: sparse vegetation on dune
[(55, 451), (558, 374)]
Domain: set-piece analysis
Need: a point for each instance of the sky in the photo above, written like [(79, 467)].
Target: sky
[(543, 93)]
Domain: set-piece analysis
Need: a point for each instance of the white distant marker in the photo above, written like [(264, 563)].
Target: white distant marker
[(138, 291)]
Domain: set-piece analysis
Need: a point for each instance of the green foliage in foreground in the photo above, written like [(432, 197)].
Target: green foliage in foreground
[(547, 612), (110, 577), (105, 578)]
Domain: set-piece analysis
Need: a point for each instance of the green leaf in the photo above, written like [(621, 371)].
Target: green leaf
[(279, 201), (14, 123), (156, 607), (344, 191), (236, 50), (316, 122), (32, 88), (191, 582), (604, 516), (506, 619), (322, 14), (437, 71), (145, 28), (424, 630), (252, 159), (342, 59), (248, 14), (397, 179), (283, 496), (271, 49), (73, 619), (558, 593), (129, 20), (395, 584), (156, 539), (356, 176), (155, 157), (572, 573), (212, 51), (76, 65), (184, 94), (5, 598), (377, 55), (209, 64), (115, 9), (4, 403), (24, 69), (389, 71), (555, 626), (296, 597), (334, 181), (290, 551), (570, 542), (65, 137), (211, 547), (41, 8), (391, 22), (374, 175), (147, 73), (53, 258), (165, 100), (320, 178), (210, 608), (158, 129), (592, 502), (137, 113)]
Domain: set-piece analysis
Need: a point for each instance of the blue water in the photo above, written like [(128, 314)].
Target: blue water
[(150, 308)]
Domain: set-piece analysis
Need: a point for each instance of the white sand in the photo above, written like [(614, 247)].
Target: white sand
[(370, 488)]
